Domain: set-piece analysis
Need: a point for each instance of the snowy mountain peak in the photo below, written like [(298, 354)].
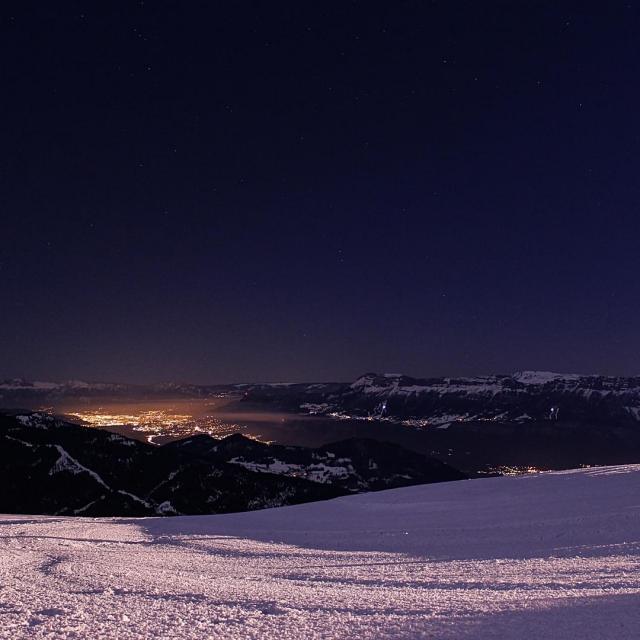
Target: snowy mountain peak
[(543, 377), (364, 380)]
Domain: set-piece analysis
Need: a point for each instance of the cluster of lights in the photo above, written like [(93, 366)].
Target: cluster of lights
[(157, 423), (142, 419), (514, 471)]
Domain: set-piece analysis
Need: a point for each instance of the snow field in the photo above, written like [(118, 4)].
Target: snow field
[(554, 555)]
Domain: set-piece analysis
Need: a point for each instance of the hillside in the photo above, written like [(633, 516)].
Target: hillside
[(53, 467), (356, 464)]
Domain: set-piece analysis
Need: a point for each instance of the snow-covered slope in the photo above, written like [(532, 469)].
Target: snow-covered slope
[(353, 464), (49, 466), (549, 556)]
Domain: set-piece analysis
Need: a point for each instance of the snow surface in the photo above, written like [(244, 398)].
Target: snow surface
[(546, 556)]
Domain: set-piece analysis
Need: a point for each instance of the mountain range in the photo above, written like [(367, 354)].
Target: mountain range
[(516, 398), (483, 424), (527, 396), (503, 423)]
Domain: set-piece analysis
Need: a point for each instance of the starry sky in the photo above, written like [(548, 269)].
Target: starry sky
[(229, 191)]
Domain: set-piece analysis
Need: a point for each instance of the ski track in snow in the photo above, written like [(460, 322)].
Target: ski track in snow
[(547, 556)]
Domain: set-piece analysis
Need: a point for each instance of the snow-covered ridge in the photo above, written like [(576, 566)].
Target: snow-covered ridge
[(544, 377), (398, 383), (514, 398), (522, 381), (21, 388), (19, 384), (370, 383)]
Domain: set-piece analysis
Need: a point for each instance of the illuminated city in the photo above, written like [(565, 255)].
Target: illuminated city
[(156, 425)]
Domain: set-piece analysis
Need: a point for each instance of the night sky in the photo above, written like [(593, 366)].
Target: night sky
[(228, 191)]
